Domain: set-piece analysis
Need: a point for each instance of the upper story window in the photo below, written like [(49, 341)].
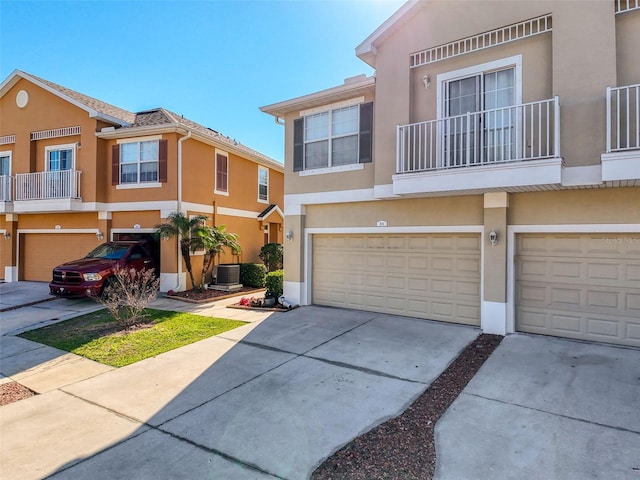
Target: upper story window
[(5, 163), (333, 138), (139, 162), (222, 173), (263, 185), (60, 157)]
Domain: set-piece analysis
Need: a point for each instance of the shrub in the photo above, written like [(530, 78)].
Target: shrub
[(271, 255), (128, 293), (252, 274), (274, 283)]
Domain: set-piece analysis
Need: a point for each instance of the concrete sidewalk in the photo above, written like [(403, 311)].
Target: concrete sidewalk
[(270, 399)]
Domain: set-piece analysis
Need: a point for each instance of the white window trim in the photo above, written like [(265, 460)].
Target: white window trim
[(53, 148), (138, 184), (515, 61), (215, 172), (337, 169), (261, 200), (332, 106), (8, 153)]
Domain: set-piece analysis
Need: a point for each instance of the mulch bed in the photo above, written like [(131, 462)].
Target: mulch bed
[(203, 296), (12, 392), (403, 448)]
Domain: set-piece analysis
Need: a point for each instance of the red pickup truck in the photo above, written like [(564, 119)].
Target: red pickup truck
[(89, 275)]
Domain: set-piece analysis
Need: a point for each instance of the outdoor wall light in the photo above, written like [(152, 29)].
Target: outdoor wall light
[(427, 81), (6, 235), (289, 235), (493, 238), (99, 235)]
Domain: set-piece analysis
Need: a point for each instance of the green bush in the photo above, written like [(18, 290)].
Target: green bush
[(271, 254), (252, 274), (273, 283)]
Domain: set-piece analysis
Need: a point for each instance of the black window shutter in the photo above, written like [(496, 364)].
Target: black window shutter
[(366, 132), (298, 144), (115, 164), (162, 160)]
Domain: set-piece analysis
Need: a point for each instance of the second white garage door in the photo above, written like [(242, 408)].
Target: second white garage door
[(583, 286), (432, 276)]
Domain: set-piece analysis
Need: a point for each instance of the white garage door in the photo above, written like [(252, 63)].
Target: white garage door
[(432, 276), (583, 286), (41, 252)]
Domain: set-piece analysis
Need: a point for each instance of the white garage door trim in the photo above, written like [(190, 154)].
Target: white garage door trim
[(513, 230), (47, 230), (305, 287)]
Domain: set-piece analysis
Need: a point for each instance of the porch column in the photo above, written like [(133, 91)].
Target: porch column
[(9, 248), (494, 301), (295, 288)]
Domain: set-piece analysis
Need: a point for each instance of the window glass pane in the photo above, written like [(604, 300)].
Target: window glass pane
[(4, 165), (262, 192), (128, 152), (344, 120), (129, 173), (344, 151), (149, 172), (316, 126), (149, 150), (316, 155), (66, 159), (262, 176)]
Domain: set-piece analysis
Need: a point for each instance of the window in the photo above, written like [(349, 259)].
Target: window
[(263, 184), (222, 173), (60, 157), (5, 163), (333, 138), (139, 162), (480, 121)]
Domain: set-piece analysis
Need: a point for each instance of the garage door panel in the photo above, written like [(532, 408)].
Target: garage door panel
[(419, 275), (578, 286), (41, 252)]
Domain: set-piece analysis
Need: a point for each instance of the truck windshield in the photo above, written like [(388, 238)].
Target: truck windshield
[(109, 251)]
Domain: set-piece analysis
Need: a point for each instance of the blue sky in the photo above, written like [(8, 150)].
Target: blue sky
[(215, 62)]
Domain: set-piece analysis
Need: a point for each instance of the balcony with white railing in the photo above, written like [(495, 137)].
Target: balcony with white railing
[(621, 161), (517, 146), (46, 191)]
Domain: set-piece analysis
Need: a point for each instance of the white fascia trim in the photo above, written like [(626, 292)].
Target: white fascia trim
[(133, 132), (584, 175), (502, 175), (305, 293), (49, 206), (384, 191), (234, 212), (276, 210), (621, 166), (513, 230), (294, 202)]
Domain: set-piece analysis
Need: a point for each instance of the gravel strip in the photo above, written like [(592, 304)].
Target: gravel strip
[(403, 448), (12, 392)]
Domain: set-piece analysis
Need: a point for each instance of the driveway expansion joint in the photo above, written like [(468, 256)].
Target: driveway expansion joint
[(561, 415)]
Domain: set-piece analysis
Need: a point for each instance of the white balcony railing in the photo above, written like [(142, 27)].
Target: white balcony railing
[(5, 188), (62, 184), (529, 131), (623, 118)]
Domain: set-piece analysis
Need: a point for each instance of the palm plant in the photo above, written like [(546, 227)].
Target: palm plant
[(214, 240), (187, 230)]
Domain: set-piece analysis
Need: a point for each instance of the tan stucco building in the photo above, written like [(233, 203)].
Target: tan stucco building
[(76, 171), (487, 174)]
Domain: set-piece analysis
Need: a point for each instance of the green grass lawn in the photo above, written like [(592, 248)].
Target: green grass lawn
[(97, 337)]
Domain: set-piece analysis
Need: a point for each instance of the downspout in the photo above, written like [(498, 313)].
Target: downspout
[(179, 205), (279, 120)]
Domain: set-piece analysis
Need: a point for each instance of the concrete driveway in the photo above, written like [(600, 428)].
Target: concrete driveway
[(275, 397), (271, 399), (545, 408)]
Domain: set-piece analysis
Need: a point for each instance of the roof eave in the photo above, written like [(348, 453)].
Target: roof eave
[(280, 109)]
